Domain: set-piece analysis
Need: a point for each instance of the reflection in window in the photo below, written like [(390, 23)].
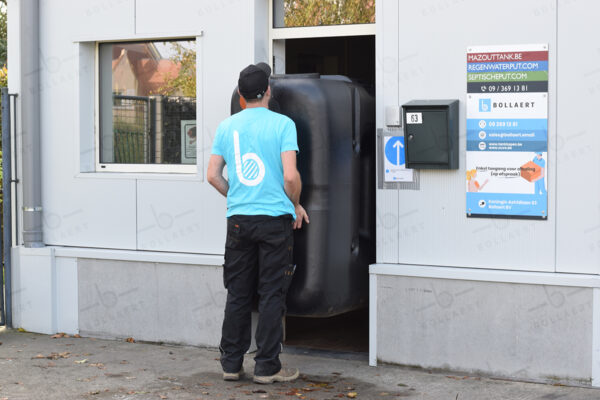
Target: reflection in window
[(148, 102), (295, 13)]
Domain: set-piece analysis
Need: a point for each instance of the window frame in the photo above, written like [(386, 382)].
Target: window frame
[(184, 169)]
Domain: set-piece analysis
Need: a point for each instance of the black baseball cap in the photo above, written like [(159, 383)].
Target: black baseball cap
[(254, 81)]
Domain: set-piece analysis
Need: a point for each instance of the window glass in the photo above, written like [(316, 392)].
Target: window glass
[(295, 13), (148, 102)]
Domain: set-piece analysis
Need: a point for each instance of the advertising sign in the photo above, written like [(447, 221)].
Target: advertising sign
[(507, 131)]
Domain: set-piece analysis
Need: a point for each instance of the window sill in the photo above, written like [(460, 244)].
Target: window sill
[(168, 176)]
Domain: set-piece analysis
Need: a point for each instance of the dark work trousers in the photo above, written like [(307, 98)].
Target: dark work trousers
[(258, 258)]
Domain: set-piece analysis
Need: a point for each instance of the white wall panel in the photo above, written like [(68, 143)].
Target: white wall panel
[(89, 212), (34, 289), (66, 295), (578, 224), (77, 211), (93, 17), (434, 37), (386, 76), (180, 216)]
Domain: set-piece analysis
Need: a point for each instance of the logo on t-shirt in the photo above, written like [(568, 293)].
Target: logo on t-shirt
[(249, 167)]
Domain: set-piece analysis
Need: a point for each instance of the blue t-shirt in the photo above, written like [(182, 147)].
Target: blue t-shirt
[(251, 142), (541, 162)]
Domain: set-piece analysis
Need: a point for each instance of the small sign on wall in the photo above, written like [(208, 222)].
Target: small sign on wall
[(394, 163), (188, 141)]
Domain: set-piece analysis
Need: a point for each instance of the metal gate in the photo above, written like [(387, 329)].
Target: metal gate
[(134, 129)]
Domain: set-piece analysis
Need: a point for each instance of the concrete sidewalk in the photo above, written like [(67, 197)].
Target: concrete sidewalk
[(36, 366)]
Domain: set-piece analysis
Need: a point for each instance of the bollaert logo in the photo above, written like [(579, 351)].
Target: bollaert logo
[(249, 167), (485, 105)]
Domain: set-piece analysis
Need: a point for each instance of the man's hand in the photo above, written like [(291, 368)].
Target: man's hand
[(300, 216)]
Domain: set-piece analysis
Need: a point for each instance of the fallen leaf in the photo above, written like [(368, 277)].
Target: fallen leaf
[(163, 397), (352, 395), (81, 361), (57, 335), (53, 356), (77, 335), (323, 385), (21, 330), (130, 340), (124, 362)]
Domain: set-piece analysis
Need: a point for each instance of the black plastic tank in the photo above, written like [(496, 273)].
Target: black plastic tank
[(335, 121)]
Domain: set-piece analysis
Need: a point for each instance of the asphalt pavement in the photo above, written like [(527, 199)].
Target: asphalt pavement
[(34, 366)]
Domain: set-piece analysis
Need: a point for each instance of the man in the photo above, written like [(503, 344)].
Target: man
[(540, 184), (263, 191)]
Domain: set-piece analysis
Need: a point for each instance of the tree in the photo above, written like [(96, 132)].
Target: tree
[(184, 83), (328, 12), (3, 35)]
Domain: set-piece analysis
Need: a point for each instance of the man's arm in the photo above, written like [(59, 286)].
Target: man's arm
[(291, 177), (215, 174), (292, 185)]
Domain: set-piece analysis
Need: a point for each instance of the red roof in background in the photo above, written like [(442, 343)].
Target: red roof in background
[(151, 74), (149, 71)]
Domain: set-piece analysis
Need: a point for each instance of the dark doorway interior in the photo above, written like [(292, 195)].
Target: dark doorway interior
[(354, 57)]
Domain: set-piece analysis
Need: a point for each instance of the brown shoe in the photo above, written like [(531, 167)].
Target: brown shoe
[(284, 375), (233, 376)]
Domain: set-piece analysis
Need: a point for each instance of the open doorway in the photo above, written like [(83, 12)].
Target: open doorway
[(353, 57)]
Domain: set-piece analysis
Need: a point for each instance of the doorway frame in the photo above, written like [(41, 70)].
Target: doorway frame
[(307, 32)]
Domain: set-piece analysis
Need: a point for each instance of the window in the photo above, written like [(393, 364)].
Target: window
[(301, 13), (147, 106)]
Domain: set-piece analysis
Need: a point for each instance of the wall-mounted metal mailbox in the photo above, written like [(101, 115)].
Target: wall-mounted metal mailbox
[(431, 134)]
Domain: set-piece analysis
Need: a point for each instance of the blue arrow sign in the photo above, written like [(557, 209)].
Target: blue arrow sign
[(394, 150)]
